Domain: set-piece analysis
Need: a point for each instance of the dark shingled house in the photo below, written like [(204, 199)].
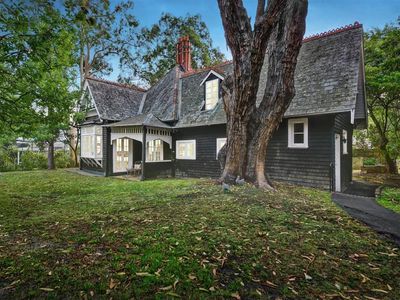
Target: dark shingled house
[(177, 127)]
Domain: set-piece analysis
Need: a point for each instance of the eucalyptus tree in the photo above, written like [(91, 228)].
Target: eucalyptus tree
[(156, 50), (277, 32), (382, 59)]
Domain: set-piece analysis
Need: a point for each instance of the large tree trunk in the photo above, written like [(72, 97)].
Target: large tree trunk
[(277, 33), (50, 156)]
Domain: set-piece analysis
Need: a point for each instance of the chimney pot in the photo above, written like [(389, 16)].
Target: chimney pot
[(183, 53)]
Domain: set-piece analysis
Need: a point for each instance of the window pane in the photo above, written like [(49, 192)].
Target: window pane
[(298, 138), (211, 93), (186, 150), (87, 146), (98, 146), (220, 143), (299, 127)]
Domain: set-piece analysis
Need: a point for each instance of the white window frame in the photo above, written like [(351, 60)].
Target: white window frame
[(212, 105), (218, 141), (179, 142), (161, 150), (95, 132), (345, 141), (291, 123)]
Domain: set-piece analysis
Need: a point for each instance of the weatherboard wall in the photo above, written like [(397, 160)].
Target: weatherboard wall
[(206, 163), (309, 166)]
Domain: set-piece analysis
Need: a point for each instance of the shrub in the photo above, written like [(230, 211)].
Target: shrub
[(370, 161), (62, 160), (33, 160), (8, 158)]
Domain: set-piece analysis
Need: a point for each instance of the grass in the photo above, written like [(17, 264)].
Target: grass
[(390, 198), (64, 235)]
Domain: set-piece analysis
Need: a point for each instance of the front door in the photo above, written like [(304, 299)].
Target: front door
[(337, 163), (122, 154)]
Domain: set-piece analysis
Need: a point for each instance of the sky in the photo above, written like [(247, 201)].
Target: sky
[(322, 15)]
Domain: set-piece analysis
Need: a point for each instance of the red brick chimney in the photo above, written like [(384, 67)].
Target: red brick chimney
[(183, 53)]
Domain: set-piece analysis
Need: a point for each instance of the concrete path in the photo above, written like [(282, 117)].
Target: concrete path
[(366, 210)]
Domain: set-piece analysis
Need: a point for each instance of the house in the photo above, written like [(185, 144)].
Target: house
[(177, 126)]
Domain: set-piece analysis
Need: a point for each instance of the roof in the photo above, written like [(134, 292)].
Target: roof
[(328, 79), (141, 120), (327, 73), (161, 98), (114, 101)]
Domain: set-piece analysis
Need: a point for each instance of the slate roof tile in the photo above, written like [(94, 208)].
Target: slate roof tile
[(115, 101)]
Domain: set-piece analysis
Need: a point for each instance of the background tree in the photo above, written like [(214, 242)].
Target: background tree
[(156, 50), (37, 59), (105, 32), (279, 27), (382, 59)]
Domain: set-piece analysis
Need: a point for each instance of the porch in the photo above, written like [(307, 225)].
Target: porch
[(141, 148)]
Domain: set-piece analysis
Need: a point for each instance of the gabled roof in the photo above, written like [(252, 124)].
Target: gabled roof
[(327, 73), (114, 101), (212, 72), (328, 79)]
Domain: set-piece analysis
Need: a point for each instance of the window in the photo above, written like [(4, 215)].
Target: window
[(154, 150), (298, 133), (344, 139), (186, 149), (91, 142), (122, 155), (211, 93), (220, 143)]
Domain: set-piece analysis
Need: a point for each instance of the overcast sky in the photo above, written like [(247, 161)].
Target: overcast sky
[(322, 15)]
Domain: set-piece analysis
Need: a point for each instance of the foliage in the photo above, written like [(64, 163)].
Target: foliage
[(156, 49), (68, 236), (31, 160), (63, 160), (104, 31), (38, 79), (8, 157), (370, 161), (390, 198), (382, 58)]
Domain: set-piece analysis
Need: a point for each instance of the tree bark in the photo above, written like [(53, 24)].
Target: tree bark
[(50, 156), (277, 34)]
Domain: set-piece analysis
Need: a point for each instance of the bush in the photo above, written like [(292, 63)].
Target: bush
[(33, 160), (370, 161), (62, 160), (8, 158)]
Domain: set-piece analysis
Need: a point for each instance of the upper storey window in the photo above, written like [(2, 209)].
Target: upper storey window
[(211, 93), (211, 82)]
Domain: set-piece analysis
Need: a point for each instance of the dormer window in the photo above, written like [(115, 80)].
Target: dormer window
[(211, 93), (211, 82)]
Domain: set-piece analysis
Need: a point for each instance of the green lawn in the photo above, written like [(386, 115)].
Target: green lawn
[(390, 198), (64, 235)]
